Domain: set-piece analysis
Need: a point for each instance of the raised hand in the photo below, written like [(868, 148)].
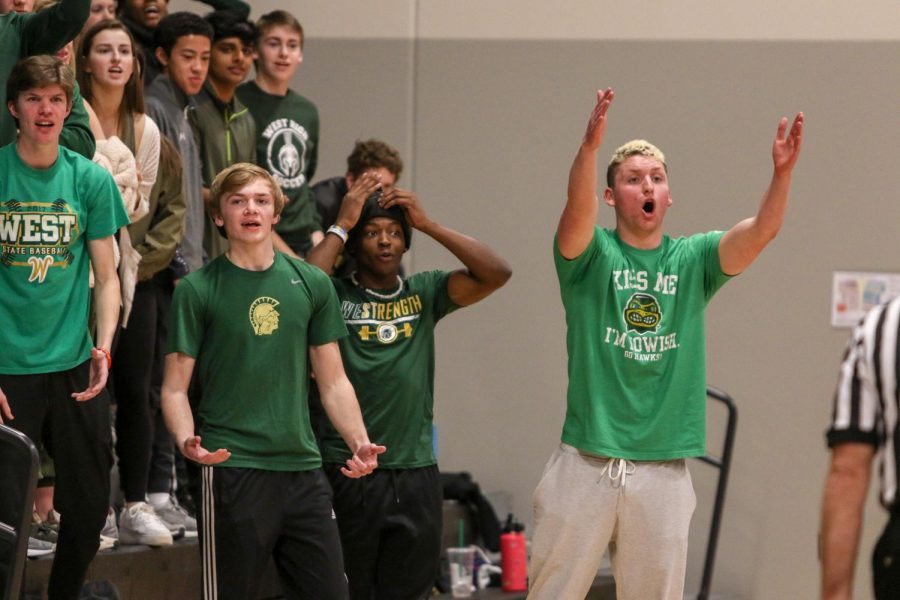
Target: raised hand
[(786, 148), (364, 461), (355, 198), (409, 202), (596, 127), (192, 449)]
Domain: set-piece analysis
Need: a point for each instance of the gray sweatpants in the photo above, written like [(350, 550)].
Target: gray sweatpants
[(641, 511)]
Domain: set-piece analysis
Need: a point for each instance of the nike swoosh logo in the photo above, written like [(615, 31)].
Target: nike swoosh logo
[(295, 281)]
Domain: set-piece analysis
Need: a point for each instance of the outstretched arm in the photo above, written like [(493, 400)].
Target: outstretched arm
[(842, 515), (326, 252), (107, 298), (742, 243), (342, 408), (576, 225), (177, 411), (48, 30), (485, 270)]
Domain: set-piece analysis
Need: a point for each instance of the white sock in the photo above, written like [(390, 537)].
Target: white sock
[(158, 499)]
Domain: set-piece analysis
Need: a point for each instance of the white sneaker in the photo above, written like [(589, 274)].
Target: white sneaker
[(110, 529), (139, 524), (174, 515), (107, 543), (109, 535)]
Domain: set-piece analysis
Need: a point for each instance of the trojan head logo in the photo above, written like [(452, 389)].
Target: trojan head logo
[(642, 313), (288, 157), (286, 152), (263, 315)]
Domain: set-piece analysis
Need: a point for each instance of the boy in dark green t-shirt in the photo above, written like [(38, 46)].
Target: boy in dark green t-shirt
[(251, 322), (634, 301), (391, 530)]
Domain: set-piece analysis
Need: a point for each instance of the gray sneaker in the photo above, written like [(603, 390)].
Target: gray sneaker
[(139, 524), (41, 530), (38, 547), (176, 516)]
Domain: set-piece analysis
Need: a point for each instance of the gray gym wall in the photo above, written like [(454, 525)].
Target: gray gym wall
[(487, 102)]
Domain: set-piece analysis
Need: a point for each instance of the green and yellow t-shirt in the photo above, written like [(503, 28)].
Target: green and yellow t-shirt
[(250, 332), (389, 358)]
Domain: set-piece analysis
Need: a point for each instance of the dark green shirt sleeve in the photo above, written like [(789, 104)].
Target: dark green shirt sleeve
[(47, 31), (327, 324), (314, 154), (76, 132), (438, 280), (186, 320)]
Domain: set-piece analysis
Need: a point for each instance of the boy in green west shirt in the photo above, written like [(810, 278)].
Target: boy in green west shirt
[(634, 301), (251, 321), (58, 212), (287, 126), (391, 528)]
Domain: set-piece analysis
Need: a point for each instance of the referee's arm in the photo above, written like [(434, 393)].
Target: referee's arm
[(842, 514)]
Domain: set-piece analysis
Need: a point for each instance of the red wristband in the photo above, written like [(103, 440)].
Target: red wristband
[(108, 357)]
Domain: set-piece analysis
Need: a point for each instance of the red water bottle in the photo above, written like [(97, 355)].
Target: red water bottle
[(513, 560)]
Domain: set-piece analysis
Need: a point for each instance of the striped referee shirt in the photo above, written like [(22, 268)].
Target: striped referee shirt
[(866, 399)]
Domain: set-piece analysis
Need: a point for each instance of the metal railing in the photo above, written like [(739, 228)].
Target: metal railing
[(18, 478), (723, 463)]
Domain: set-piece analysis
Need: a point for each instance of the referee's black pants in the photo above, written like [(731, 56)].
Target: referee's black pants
[(886, 561)]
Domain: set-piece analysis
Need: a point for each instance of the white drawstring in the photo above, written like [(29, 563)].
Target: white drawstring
[(618, 468)]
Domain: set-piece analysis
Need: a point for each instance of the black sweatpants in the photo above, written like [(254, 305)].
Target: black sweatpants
[(250, 515), (137, 364), (77, 437), (886, 561), (390, 524)]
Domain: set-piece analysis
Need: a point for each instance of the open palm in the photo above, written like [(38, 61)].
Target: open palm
[(593, 136), (786, 148)]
